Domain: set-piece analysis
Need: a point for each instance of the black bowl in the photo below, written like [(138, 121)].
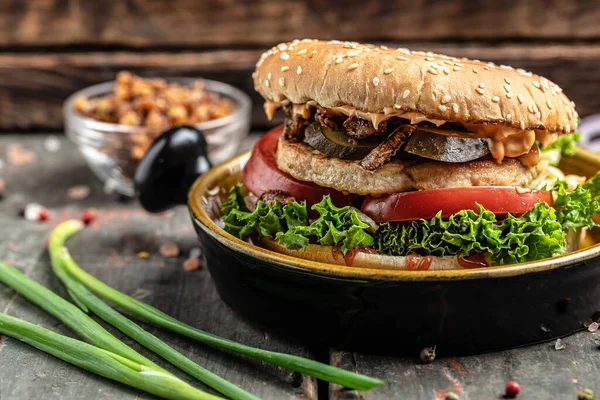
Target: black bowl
[(392, 311)]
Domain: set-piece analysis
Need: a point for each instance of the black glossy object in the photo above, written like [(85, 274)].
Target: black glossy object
[(169, 167), (392, 311)]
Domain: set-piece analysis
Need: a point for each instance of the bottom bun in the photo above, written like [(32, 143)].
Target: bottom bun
[(332, 255)]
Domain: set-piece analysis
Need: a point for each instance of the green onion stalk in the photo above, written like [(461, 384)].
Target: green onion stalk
[(89, 302), (325, 372), (101, 362)]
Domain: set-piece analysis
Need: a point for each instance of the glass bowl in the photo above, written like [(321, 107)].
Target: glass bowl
[(113, 151)]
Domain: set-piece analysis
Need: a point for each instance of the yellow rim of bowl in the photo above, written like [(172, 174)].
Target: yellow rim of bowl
[(211, 179)]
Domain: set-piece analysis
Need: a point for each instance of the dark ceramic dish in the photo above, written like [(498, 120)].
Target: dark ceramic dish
[(392, 311)]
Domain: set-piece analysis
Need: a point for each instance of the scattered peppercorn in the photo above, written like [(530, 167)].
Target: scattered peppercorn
[(585, 394), (428, 354), (512, 389), (88, 216), (44, 214)]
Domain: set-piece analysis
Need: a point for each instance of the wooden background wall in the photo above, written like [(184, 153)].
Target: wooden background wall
[(50, 48)]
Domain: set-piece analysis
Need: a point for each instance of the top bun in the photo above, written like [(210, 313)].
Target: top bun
[(379, 79)]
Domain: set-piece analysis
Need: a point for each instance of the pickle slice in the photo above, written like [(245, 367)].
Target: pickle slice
[(446, 148), (337, 144)]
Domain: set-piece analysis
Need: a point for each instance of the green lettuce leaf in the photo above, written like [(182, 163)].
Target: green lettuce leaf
[(289, 224), (534, 235), (567, 144), (537, 234), (575, 209)]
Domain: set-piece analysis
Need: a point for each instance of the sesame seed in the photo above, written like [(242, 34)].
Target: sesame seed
[(405, 94), (402, 58), (376, 81), (388, 71), (313, 53), (480, 90), (282, 46), (495, 99), (352, 66), (507, 81), (430, 58), (299, 70), (442, 108), (507, 87), (520, 97), (536, 84), (549, 104), (384, 47), (475, 70), (397, 106), (455, 107), (482, 85), (509, 95), (568, 128), (432, 71), (302, 52), (553, 90), (282, 82), (522, 125), (284, 56), (530, 109), (539, 115), (508, 117), (284, 68), (456, 68), (487, 67), (564, 100), (339, 60), (267, 83), (352, 53), (535, 108), (269, 75), (446, 71), (446, 99)]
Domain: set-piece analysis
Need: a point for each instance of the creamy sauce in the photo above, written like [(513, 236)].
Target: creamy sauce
[(503, 140), (377, 118)]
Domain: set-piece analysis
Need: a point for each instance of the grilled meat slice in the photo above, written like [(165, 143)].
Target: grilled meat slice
[(386, 150), (270, 196), (328, 118), (358, 128), (293, 126)]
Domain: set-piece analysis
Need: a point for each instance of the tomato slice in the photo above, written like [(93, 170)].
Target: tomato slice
[(262, 174), (426, 204)]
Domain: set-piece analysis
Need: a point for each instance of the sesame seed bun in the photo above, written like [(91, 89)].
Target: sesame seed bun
[(332, 255), (378, 79)]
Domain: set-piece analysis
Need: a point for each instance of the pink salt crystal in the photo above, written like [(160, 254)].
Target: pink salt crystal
[(191, 264), (32, 211), (169, 249), (79, 192), (593, 327), (19, 155), (52, 144)]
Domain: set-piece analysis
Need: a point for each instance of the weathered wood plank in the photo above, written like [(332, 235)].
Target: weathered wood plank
[(33, 86), (108, 249), (216, 23), (542, 371)]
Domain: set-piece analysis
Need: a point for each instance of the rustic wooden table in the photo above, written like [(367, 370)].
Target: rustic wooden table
[(108, 249)]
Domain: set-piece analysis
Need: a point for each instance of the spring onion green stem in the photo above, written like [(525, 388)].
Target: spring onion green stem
[(309, 367), (100, 361), (72, 316), (85, 298)]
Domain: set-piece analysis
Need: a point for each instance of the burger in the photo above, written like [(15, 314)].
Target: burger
[(392, 158)]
